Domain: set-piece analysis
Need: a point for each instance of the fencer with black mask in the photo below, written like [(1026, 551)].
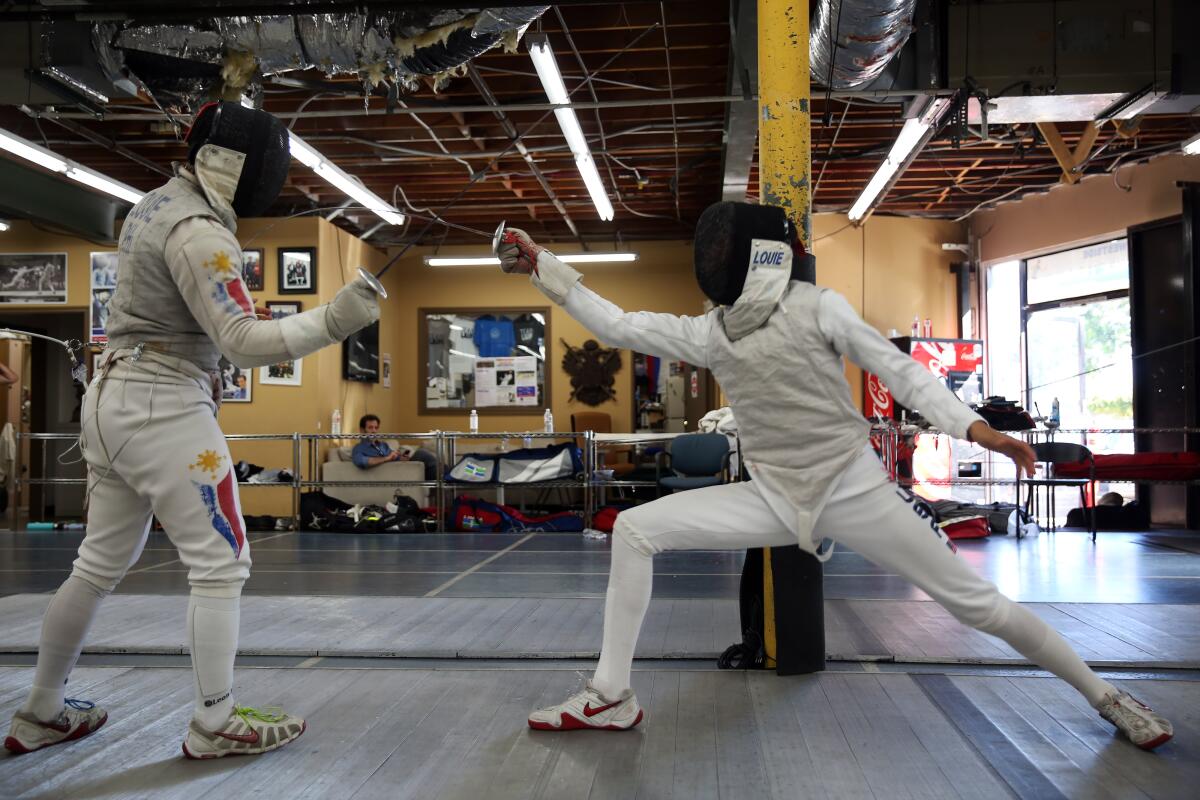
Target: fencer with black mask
[(150, 435), (775, 343)]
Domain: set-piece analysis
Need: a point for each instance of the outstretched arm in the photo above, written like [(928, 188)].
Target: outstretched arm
[(668, 336), (206, 263), (911, 384)]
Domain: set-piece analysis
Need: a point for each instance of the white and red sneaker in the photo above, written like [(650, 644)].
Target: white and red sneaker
[(78, 719), (588, 709), (1144, 727)]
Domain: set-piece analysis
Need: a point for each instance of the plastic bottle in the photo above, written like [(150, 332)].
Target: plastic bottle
[(335, 425), (527, 441), (548, 421), (916, 326), (1055, 418), (474, 421), (928, 328)]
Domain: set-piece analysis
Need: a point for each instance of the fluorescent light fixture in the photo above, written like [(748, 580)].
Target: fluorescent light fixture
[(533, 353), (347, 184), (492, 261), (556, 92), (23, 148), (912, 136), (4, 226), (461, 353), (1192, 146)]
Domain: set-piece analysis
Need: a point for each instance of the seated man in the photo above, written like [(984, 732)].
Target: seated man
[(373, 452)]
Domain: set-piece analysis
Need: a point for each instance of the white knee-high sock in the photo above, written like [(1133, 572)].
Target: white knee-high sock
[(629, 583), (64, 627), (1030, 636), (213, 634)]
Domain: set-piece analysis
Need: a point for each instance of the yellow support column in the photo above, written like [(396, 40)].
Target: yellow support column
[(784, 135), (784, 174)]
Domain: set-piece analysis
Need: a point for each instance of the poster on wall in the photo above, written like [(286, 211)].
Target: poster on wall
[(33, 277), (506, 381), (103, 268), (235, 382), (252, 269), (386, 368)]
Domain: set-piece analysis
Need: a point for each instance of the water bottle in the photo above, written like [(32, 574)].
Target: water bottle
[(335, 425), (1055, 419), (527, 441), (548, 421), (916, 326), (474, 421)]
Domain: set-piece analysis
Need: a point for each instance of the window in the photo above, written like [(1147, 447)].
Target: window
[(1058, 328)]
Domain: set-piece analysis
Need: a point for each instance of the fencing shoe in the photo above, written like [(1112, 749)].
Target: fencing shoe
[(247, 731), (79, 718), (588, 709), (1140, 723)]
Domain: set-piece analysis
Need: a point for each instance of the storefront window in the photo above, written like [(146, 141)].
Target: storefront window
[(1082, 272)]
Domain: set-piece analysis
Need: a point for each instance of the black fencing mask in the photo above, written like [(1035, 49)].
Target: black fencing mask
[(259, 137), (724, 234)]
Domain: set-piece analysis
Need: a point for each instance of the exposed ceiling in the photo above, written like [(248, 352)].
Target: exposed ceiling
[(657, 135)]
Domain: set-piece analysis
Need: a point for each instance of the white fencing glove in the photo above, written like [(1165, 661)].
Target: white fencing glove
[(354, 307), (517, 252)]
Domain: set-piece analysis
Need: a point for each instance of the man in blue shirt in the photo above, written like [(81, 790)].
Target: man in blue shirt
[(373, 452)]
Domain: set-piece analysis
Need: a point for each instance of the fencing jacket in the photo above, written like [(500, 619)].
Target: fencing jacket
[(799, 428), (180, 288)]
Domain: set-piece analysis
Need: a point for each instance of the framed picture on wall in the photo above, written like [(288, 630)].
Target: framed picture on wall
[(285, 373), (252, 269), (103, 268), (279, 309), (235, 382), (297, 270), (33, 278)]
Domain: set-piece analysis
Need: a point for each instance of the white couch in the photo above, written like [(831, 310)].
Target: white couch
[(338, 466)]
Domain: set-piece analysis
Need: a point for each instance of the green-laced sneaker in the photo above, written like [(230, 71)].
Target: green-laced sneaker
[(246, 732), (79, 718)]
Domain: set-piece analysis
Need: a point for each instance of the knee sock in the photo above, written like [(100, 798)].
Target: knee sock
[(1030, 636), (213, 635), (66, 623), (629, 583)]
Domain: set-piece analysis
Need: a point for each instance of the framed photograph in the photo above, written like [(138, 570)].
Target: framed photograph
[(386, 369), (285, 373), (235, 382), (281, 309), (252, 269), (297, 270), (33, 278), (104, 270), (99, 325)]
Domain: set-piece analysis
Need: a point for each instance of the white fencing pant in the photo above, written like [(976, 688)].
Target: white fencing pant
[(866, 512), (154, 449)]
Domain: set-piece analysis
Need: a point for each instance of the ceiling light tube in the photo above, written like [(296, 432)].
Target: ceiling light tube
[(913, 136), (347, 184), (491, 261), (23, 148), (4, 226), (1192, 146), (556, 92)]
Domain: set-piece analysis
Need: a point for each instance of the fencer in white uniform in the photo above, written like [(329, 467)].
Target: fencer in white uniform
[(775, 344), (150, 435)]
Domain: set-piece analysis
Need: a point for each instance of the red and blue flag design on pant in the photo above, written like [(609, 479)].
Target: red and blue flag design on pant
[(224, 513)]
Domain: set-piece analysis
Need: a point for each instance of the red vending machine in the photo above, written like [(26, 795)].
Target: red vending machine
[(958, 363)]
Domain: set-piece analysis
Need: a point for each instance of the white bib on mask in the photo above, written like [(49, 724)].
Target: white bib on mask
[(767, 279), (218, 170)]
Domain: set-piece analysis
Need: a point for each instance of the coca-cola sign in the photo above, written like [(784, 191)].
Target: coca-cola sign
[(879, 398)]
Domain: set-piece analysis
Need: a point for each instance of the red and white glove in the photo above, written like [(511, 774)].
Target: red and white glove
[(517, 252)]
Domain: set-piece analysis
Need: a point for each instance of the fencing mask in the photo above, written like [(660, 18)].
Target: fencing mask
[(725, 235), (240, 156)]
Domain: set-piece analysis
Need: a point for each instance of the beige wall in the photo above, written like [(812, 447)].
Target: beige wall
[(1091, 210), (889, 269)]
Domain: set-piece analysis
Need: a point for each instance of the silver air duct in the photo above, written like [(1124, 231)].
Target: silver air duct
[(858, 38)]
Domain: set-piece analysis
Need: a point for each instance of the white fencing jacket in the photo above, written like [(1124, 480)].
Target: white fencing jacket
[(785, 381), (180, 288)]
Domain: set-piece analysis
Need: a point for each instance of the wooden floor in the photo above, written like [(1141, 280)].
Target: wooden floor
[(460, 733), (1107, 634)]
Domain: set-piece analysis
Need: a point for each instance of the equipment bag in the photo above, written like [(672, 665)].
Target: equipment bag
[(528, 465), (966, 528), (473, 515)]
